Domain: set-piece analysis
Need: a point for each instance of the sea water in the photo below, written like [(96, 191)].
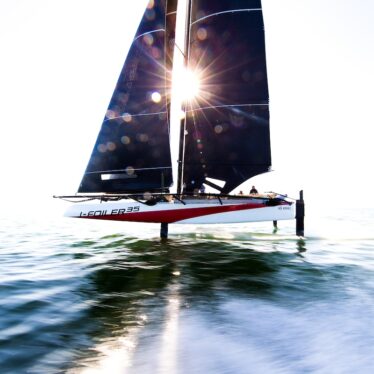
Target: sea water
[(81, 296)]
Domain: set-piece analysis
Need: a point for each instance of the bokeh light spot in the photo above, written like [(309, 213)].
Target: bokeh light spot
[(148, 39), (218, 129), (150, 14), (127, 117), (151, 4), (111, 146), (156, 97), (202, 33), (143, 138), (156, 53), (125, 140), (110, 114)]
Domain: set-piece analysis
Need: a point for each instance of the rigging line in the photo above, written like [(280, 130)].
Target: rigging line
[(133, 169), (75, 201), (183, 127), (224, 106), (136, 115), (226, 11), (148, 32), (170, 13), (180, 50)]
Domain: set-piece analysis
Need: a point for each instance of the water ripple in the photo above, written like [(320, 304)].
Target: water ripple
[(87, 298)]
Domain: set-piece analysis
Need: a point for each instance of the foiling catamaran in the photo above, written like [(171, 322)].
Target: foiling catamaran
[(145, 167)]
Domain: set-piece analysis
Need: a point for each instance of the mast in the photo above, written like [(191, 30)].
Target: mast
[(182, 134), (177, 104)]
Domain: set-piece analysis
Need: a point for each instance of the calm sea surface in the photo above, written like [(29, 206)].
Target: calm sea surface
[(97, 297)]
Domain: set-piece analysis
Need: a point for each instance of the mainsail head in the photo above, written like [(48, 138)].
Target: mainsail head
[(132, 152), (226, 133)]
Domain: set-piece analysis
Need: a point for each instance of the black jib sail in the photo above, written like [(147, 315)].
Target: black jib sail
[(132, 151), (227, 124)]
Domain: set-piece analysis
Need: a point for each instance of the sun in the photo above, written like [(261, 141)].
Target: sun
[(186, 84), (190, 85)]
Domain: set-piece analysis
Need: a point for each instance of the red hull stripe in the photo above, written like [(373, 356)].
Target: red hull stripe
[(175, 215)]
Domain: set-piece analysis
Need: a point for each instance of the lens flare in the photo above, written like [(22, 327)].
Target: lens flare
[(186, 84), (192, 85)]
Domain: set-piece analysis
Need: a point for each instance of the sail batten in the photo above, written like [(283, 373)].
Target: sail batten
[(147, 33), (225, 12), (134, 115), (225, 106), (125, 170)]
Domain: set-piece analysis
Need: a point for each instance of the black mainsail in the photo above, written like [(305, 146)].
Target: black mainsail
[(226, 133), (132, 151)]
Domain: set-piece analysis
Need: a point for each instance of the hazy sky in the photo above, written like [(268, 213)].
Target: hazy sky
[(60, 60)]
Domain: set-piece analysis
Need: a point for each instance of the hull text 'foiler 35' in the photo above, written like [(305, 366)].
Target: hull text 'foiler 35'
[(149, 164)]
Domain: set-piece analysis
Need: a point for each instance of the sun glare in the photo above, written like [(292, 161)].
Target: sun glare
[(191, 84), (186, 84)]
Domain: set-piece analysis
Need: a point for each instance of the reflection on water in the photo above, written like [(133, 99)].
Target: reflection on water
[(217, 302), (301, 247), (164, 307)]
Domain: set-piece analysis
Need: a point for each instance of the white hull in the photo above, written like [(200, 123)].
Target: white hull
[(195, 211)]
